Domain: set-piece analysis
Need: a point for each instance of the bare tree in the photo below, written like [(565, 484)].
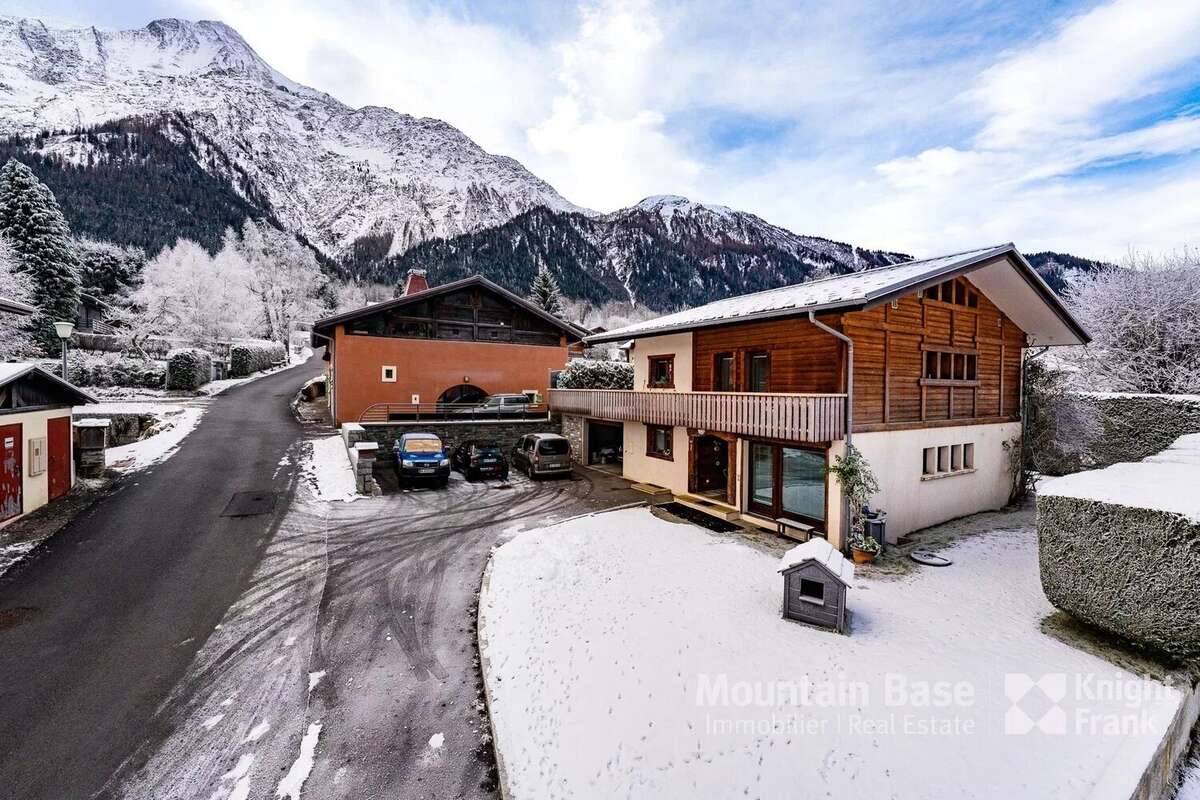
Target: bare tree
[(1144, 318)]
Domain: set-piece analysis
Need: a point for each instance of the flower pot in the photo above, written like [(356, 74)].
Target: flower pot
[(862, 556)]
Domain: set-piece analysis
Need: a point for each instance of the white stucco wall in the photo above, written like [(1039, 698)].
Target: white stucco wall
[(642, 468), (35, 490), (912, 502), (678, 343)]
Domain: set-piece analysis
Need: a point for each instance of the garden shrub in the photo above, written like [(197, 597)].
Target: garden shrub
[(583, 373), (188, 368), (249, 357)]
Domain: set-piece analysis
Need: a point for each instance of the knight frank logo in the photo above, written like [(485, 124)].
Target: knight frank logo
[(1035, 704)]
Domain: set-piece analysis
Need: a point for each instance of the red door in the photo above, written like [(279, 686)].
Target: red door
[(58, 445), (10, 471)]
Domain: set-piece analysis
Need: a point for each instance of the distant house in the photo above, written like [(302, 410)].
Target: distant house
[(739, 406), (455, 343), (35, 437)]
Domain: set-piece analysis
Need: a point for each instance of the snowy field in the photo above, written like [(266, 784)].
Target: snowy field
[(629, 656)]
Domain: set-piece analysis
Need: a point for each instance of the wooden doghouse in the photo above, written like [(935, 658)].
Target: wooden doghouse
[(815, 579)]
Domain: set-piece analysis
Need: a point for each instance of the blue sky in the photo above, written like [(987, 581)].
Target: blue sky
[(915, 126)]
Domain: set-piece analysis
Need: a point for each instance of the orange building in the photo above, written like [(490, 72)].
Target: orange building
[(455, 343)]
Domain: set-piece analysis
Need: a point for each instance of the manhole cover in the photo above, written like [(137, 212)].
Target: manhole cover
[(248, 504), (929, 559), (12, 617)]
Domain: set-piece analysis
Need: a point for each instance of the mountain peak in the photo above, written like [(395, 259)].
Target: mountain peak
[(671, 203)]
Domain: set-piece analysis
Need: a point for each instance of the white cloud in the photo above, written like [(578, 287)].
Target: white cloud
[(926, 129)]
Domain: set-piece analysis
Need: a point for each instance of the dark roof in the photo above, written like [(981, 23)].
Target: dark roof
[(322, 325), (10, 373), (15, 307), (852, 292)]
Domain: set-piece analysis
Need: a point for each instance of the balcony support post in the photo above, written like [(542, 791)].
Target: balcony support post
[(849, 410)]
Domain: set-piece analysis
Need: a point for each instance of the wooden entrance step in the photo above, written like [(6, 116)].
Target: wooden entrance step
[(713, 508), (650, 489)]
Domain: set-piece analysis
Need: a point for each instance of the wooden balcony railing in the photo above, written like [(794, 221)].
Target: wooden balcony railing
[(791, 417)]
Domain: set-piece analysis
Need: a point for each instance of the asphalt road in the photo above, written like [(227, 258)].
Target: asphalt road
[(176, 653), (129, 592)]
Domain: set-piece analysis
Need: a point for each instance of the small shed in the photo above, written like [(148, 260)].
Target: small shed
[(815, 579)]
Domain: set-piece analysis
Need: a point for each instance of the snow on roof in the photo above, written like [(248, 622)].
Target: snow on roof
[(821, 551), (1165, 481), (11, 370), (15, 307), (840, 290)]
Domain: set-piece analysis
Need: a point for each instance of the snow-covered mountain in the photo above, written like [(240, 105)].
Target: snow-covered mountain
[(328, 172), (663, 253)]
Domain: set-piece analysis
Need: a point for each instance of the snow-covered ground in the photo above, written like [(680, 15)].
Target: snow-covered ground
[(629, 656), (326, 467), (156, 448)]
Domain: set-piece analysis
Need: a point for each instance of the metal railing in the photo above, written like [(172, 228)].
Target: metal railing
[(790, 417), (452, 412)]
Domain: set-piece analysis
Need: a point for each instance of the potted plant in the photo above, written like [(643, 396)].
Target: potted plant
[(863, 548), (859, 485)]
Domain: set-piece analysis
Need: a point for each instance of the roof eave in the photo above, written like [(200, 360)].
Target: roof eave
[(34, 368), (840, 305), (16, 307)]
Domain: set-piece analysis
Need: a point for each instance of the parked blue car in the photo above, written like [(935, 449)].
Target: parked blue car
[(420, 456)]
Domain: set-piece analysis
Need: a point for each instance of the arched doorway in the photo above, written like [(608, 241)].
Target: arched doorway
[(463, 394)]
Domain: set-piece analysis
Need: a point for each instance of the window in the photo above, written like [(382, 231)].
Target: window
[(388, 374), (947, 367), (787, 482), (658, 441), (758, 372), (662, 372), (812, 591), (951, 459), (955, 292), (723, 373)]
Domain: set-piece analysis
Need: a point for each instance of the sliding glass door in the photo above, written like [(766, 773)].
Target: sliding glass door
[(787, 482)]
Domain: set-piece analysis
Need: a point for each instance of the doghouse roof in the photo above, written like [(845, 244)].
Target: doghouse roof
[(822, 552)]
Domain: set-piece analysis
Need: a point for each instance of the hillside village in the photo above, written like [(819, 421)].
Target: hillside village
[(344, 458)]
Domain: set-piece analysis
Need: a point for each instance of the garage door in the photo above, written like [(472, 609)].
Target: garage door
[(59, 451), (10, 471)]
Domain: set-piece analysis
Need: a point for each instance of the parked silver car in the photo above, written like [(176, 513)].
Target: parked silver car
[(539, 454)]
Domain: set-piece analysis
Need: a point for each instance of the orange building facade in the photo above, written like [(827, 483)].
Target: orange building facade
[(452, 343)]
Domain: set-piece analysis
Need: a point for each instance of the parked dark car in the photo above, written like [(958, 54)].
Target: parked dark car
[(542, 454), (499, 405), (476, 459), (420, 456)]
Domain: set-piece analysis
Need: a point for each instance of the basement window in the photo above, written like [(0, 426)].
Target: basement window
[(658, 441), (946, 460)]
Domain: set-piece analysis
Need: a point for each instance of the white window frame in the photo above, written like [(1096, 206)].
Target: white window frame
[(383, 373)]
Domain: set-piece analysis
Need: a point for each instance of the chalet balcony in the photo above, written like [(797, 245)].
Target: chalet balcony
[(790, 417)]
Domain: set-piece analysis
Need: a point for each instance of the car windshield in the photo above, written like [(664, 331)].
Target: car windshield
[(486, 447), (421, 445), (554, 447)]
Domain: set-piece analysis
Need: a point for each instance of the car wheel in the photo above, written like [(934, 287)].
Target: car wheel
[(471, 475), (445, 482)]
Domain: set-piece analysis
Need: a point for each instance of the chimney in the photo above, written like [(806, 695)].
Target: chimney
[(415, 282)]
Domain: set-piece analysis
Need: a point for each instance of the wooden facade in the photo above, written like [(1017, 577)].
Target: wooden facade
[(920, 361)]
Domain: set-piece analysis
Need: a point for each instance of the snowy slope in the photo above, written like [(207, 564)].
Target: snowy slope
[(329, 172)]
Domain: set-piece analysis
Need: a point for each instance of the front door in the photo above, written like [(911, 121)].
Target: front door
[(10, 471), (712, 465), (58, 445)]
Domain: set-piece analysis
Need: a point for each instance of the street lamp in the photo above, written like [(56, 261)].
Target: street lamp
[(64, 331)]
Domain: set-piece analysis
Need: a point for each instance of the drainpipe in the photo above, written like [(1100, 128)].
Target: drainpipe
[(849, 374), (849, 410)]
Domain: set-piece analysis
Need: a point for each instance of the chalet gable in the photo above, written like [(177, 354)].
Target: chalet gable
[(27, 387), (474, 309)]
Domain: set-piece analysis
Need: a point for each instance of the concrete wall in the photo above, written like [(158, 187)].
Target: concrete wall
[(451, 433), (913, 501), (678, 343), (35, 490), (428, 367), (642, 468)]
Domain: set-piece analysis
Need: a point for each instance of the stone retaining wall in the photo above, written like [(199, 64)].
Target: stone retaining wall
[(572, 428), (123, 428)]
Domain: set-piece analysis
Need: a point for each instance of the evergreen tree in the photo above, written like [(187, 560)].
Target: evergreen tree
[(545, 294), (34, 225)]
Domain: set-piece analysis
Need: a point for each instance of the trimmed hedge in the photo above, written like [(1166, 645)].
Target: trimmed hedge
[(114, 370), (188, 368), (249, 357), (584, 373)]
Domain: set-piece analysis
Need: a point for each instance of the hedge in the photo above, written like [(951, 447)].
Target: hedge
[(188, 368), (583, 373), (249, 357), (116, 370)]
